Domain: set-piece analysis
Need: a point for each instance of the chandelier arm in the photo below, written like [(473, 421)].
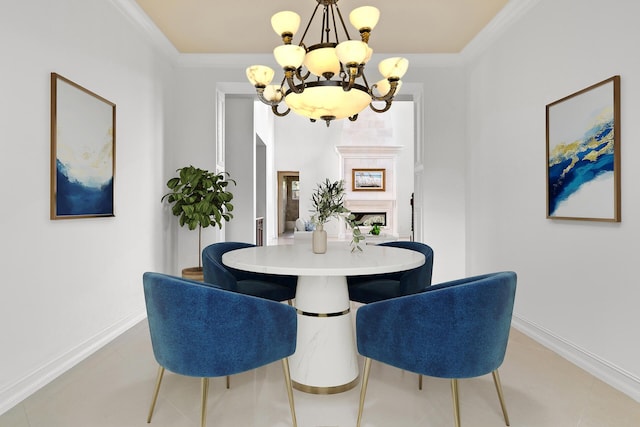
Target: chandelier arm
[(288, 74), (300, 77), (388, 96), (274, 109), (353, 74), (260, 92), (387, 105), (353, 118)]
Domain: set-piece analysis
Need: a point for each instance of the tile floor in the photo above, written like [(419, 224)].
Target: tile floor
[(113, 388)]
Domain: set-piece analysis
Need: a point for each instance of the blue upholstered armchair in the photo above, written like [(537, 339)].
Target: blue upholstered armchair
[(368, 289), (269, 286), (453, 330), (203, 331)]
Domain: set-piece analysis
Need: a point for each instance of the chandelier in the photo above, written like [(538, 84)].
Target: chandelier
[(333, 84)]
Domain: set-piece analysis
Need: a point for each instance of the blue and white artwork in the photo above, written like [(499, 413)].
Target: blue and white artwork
[(84, 152), (581, 138)]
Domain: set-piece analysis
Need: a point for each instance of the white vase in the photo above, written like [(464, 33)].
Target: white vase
[(319, 240)]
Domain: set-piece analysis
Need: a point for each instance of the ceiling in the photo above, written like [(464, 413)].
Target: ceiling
[(243, 26)]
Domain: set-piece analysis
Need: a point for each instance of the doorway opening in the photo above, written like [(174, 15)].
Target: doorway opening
[(288, 201)]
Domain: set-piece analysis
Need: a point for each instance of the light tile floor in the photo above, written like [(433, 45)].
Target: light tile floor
[(113, 388)]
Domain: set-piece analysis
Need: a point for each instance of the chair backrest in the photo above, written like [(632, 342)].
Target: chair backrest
[(204, 331), (419, 278), (416, 280), (457, 329), (215, 272)]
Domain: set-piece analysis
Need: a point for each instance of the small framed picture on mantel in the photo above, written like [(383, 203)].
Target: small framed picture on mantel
[(368, 179)]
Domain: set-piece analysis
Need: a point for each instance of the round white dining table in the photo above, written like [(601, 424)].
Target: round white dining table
[(325, 360)]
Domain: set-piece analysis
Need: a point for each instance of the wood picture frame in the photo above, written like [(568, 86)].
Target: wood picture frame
[(368, 180), (83, 146), (583, 154)]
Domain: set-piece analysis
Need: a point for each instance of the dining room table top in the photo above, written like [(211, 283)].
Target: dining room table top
[(338, 260)]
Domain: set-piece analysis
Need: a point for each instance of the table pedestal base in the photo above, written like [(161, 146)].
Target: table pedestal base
[(325, 361)]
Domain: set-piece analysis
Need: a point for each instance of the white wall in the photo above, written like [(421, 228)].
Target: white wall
[(240, 164), (442, 157), (577, 290), (69, 286)]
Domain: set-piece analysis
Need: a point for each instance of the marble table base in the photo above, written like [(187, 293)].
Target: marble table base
[(325, 361)]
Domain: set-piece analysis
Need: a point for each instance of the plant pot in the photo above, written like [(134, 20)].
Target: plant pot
[(319, 240), (193, 273)]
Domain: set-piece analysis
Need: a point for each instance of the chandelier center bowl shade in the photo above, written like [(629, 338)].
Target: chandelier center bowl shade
[(326, 80)]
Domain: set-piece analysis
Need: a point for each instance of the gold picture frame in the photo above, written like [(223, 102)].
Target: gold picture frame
[(583, 154), (83, 148), (368, 179)]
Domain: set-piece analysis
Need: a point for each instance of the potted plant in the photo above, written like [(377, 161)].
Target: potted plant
[(375, 223), (328, 202), (199, 198)]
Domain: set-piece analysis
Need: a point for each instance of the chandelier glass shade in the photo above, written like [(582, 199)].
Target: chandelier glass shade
[(326, 81)]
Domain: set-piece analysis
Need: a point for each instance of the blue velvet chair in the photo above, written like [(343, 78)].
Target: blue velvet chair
[(368, 289), (454, 330), (203, 331), (269, 286)]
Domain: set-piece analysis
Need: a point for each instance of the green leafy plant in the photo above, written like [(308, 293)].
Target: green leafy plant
[(328, 202), (199, 198), (375, 223)]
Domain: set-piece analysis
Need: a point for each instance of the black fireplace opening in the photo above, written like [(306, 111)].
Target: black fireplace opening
[(370, 218)]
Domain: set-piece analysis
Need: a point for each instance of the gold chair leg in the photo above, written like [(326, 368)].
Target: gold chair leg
[(155, 392), (228, 382), (363, 391), (419, 381), (456, 401), (287, 380), (498, 383), (205, 393)]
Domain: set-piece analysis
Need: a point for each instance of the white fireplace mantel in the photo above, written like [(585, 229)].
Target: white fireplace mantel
[(371, 157)]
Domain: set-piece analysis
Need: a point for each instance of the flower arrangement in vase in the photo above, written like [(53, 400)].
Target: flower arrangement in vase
[(328, 202)]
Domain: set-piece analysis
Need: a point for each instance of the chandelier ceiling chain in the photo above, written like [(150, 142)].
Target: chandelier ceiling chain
[(330, 88)]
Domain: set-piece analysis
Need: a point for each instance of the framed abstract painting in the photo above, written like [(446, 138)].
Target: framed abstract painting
[(583, 154), (83, 142)]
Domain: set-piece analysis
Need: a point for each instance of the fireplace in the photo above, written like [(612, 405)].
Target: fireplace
[(370, 209), (370, 218)]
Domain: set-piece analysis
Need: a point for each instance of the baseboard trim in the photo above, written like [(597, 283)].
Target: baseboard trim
[(25, 387), (604, 370)]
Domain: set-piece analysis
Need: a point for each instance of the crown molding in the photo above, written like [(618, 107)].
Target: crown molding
[(511, 12), (132, 11), (506, 18)]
